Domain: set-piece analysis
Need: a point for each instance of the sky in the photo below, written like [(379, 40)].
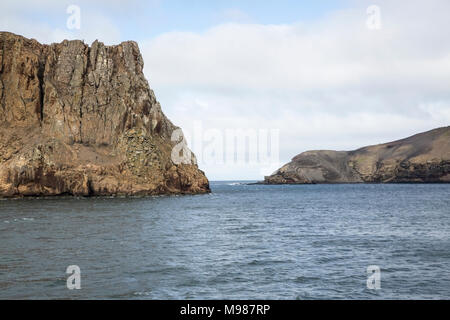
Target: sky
[(314, 74)]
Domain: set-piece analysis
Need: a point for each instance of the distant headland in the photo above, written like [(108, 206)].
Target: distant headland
[(422, 158)]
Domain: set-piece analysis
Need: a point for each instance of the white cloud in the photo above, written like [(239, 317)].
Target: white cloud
[(331, 83)]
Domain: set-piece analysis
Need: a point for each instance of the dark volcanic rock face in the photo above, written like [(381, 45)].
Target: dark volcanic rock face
[(82, 120), (424, 157)]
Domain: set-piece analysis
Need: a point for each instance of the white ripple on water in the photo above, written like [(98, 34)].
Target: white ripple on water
[(19, 220)]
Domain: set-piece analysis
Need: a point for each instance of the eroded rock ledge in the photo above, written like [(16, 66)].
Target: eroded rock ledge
[(82, 120), (422, 158)]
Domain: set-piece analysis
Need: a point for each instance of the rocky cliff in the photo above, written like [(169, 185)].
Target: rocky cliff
[(424, 157), (80, 120)]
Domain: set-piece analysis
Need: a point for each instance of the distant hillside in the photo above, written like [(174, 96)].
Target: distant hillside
[(424, 157)]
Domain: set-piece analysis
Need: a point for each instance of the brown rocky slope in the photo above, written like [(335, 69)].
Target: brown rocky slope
[(422, 158), (80, 120)]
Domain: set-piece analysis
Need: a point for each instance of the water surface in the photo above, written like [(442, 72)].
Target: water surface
[(240, 242)]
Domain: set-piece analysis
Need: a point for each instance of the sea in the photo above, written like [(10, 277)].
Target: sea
[(349, 241)]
